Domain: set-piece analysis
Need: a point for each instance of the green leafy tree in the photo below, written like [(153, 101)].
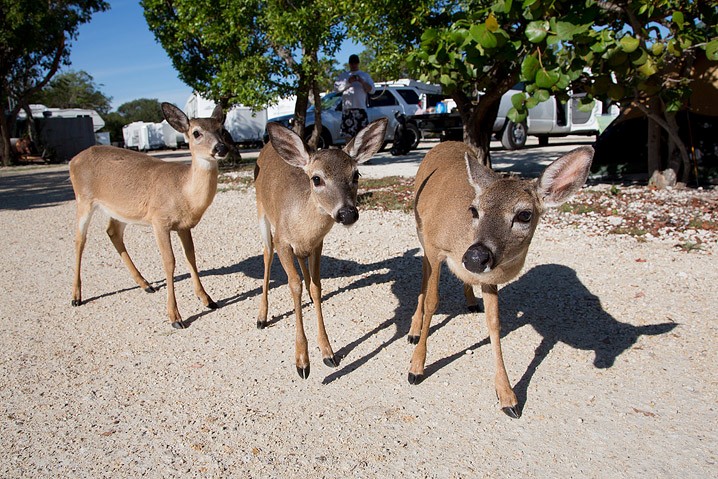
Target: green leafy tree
[(645, 57), (628, 50), (249, 51), (74, 89), (473, 49), (143, 109), (34, 43)]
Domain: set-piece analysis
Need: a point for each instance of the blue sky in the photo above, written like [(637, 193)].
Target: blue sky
[(117, 48)]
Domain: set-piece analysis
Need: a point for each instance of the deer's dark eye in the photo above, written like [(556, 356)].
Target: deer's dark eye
[(474, 211), (524, 216), (196, 134), (316, 180), (355, 178)]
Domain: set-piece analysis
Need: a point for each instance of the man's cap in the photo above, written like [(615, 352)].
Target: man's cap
[(353, 58)]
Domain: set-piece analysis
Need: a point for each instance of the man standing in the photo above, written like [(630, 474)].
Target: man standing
[(354, 86)]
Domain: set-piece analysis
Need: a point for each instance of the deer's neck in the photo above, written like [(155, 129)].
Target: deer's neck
[(202, 184), (309, 226)]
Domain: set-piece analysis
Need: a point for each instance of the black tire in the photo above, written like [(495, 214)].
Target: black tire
[(543, 140), (514, 135), (414, 133)]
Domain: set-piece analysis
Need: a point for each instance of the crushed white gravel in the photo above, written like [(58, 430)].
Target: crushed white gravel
[(610, 341)]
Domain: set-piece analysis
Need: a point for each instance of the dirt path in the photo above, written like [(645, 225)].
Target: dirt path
[(611, 345)]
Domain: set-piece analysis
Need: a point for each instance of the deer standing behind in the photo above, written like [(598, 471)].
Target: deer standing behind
[(132, 187), (300, 195), (481, 224)]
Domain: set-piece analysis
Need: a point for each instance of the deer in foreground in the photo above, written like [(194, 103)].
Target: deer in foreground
[(481, 224), (300, 195), (132, 187)]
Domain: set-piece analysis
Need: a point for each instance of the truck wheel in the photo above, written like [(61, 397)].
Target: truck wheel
[(413, 134), (514, 135)]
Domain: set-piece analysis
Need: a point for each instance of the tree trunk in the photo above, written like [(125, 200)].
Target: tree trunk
[(7, 126), (316, 134), (6, 147), (684, 169), (300, 108), (478, 120), (314, 90), (653, 146), (667, 121)]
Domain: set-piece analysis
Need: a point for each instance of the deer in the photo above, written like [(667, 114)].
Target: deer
[(300, 196), (132, 187), (481, 224)]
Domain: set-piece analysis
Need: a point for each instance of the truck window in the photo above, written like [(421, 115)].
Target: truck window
[(410, 96), (382, 98)]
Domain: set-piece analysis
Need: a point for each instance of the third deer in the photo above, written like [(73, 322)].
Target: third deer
[(481, 224)]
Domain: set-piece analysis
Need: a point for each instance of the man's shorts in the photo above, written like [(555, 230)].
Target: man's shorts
[(353, 120)]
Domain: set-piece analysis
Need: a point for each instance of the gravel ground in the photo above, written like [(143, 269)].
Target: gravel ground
[(609, 340)]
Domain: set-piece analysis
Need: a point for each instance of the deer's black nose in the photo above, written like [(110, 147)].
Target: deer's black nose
[(347, 215), (478, 259), (221, 150)]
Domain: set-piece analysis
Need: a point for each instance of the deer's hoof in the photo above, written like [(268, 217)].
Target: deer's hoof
[(303, 372), (77, 302), (415, 378), (178, 325), (413, 339), (512, 411), (212, 305), (332, 362), (261, 324), (150, 289), (475, 308)]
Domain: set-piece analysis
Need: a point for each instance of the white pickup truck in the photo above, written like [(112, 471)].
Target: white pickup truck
[(547, 119)]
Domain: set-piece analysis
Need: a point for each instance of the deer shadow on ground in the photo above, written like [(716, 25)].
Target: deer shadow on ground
[(403, 272), (552, 299), (549, 298)]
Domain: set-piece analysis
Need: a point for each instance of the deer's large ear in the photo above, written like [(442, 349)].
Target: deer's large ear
[(368, 141), (217, 114), (565, 176), (175, 117), (288, 144), (480, 176)]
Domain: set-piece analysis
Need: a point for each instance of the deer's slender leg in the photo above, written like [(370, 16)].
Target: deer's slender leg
[(268, 253), (418, 316), (507, 398), (164, 242), (301, 353), (315, 291), (305, 272), (431, 300), (84, 215), (185, 237), (471, 302), (116, 232)]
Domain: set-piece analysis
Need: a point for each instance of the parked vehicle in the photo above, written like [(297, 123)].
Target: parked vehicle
[(145, 136), (383, 103), (243, 124), (547, 119)]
